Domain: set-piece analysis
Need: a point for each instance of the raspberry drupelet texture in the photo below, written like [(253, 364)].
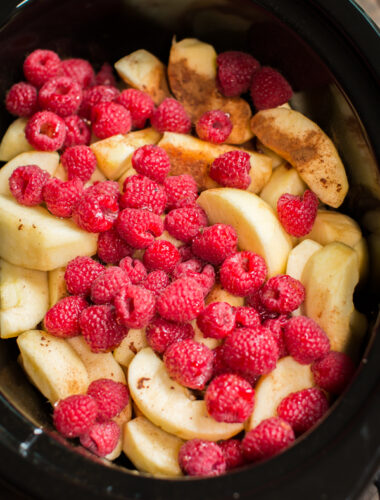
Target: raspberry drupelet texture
[(61, 95), (184, 223), (269, 88), (231, 169), (111, 188), (60, 197), (156, 282), (333, 372), (232, 452), (135, 306), (161, 255), (243, 273), (95, 95), (181, 301), (101, 438), (21, 99), (96, 212), (142, 192), (282, 294), (161, 333), (181, 191), (214, 126), (139, 104), (152, 161), (45, 131), (297, 213), (183, 268), (40, 66), (186, 252), (79, 70), (215, 243), (220, 367), (74, 415), (62, 320), (235, 70), (189, 363), (135, 270), (217, 320), (254, 300), (276, 327), (112, 248), (105, 75), (139, 227), (77, 132), (109, 118), (80, 273), (205, 279), (305, 340), (26, 184), (111, 397), (246, 316), (199, 457), (107, 284), (79, 162), (170, 116)]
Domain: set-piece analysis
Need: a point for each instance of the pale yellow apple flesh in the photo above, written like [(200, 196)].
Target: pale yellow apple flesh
[(14, 142), (57, 285), (285, 179), (130, 346)]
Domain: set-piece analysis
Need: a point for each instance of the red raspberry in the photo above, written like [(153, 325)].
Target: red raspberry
[(160, 333), (135, 270), (232, 452), (21, 99), (333, 372), (303, 409), (184, 223), (61, 95), (101, 439), (181, 301), (161, 255), (205, 279), (109, 118), (139, 104), (40, 66), (112, 248), (189, 363), (297, 213), (269, 88), (79, 161), (305, 340), (220, 367), (215, 243), (235, 70), (189, 266), (111, 397), (152, 161), (231, 169), (254, 300), (77, 132), (282, 294), (79, 70), (276, 327), (170, 116), (74, 415), (217, 320), (142, 192), (156, 282), (135, 306), (214, 126), (62, 320), (246, 316), (105, 75), (106, 285), (243, 273), (139, 227), (100, 329), (96, 212), (80, 273), (181, 191), (45, 131), (26, 184), (270, 437), (111, 188), (60, 197), (95, 95), (186, 252), (199, 457)]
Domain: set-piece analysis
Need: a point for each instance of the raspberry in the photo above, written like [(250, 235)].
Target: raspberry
[(142, 192), (79, 161), (152, 161), (21, 99), (139, 104), (77, 132), (45, 131), (297, 213), (214, 126), (282, 294), (111, 397), (303, 409), (111, 188), (60, 197), (243, 273), (235, 70), (105, 75), (96, 212), (26, 184), (139, 227), (95, 95), (112, 248), (217, 320), (79, 70), (333, 372), (40, 66), (231, 169), (254, 300), (109, 118), (135, 270), (305, 340), (181, 191), (135, 306), (181, 301), (161, 255), (232, 452), (276, 327), (205, 279), (246, 316), (100, 329), (220, 367), (61, 95), (160, 334), (189, 363), (184, 223), (186, 252), (74, 415), (270, 437), (101, 439), (156, 282), (80, 273), (62, 320), (199, 457), (184, 268), (215, 243), (269, 89), (170, 116), (107, 284)]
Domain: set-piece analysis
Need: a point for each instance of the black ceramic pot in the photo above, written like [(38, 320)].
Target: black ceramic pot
[(329, 52)]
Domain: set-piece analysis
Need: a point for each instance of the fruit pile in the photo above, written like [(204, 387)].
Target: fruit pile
[(174, 285)]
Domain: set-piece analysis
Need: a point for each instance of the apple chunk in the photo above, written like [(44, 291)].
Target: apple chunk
[(285, 179), (14, 142)]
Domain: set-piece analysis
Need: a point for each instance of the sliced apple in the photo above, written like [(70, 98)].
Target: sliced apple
[(14, 142), (57, 285), (277, 160), (117, 450), (130, 346), (285, 179), (298, 257)]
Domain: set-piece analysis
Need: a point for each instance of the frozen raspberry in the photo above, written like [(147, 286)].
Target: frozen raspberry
[(61, 95), (246, 316), (181, 191), (74, 415), (297, 213), (80, 273), (161, 333), (21, 99), (161, 255), (109, 118), (152, 161), (282, 294), (107, 284), (135, 270), (101, 438), (26, 184), (305, 340), (254, 300), (45, 131), (111, 397), (142, 192), (95, 95), (232, 452), (40, 66), (112, 248), (139, 104), (214, 126), (139, 227), (156, 282), (77, 132), (220, 367), (333, 372), (111, 188), (100, 328), (235, 70), (189, 363), (135, 306), (170, 116), (229, 398), (62, 320), (105, 75), (231, 169), (96, 212), (242, 273), (269, 89), (79, 162), (79, 70), (217, 320), (181, 301), (199, 457), (303, 409), (270, 437), (215, 243), (184, 223), (276, 327), (60, 197)]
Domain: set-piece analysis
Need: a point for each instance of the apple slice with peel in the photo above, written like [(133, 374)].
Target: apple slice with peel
[(130, 346), (169, 405), (151, 449), (255, 222), (57, 285), (285, 179), (305, 146), (14, 142), (277, 160)]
